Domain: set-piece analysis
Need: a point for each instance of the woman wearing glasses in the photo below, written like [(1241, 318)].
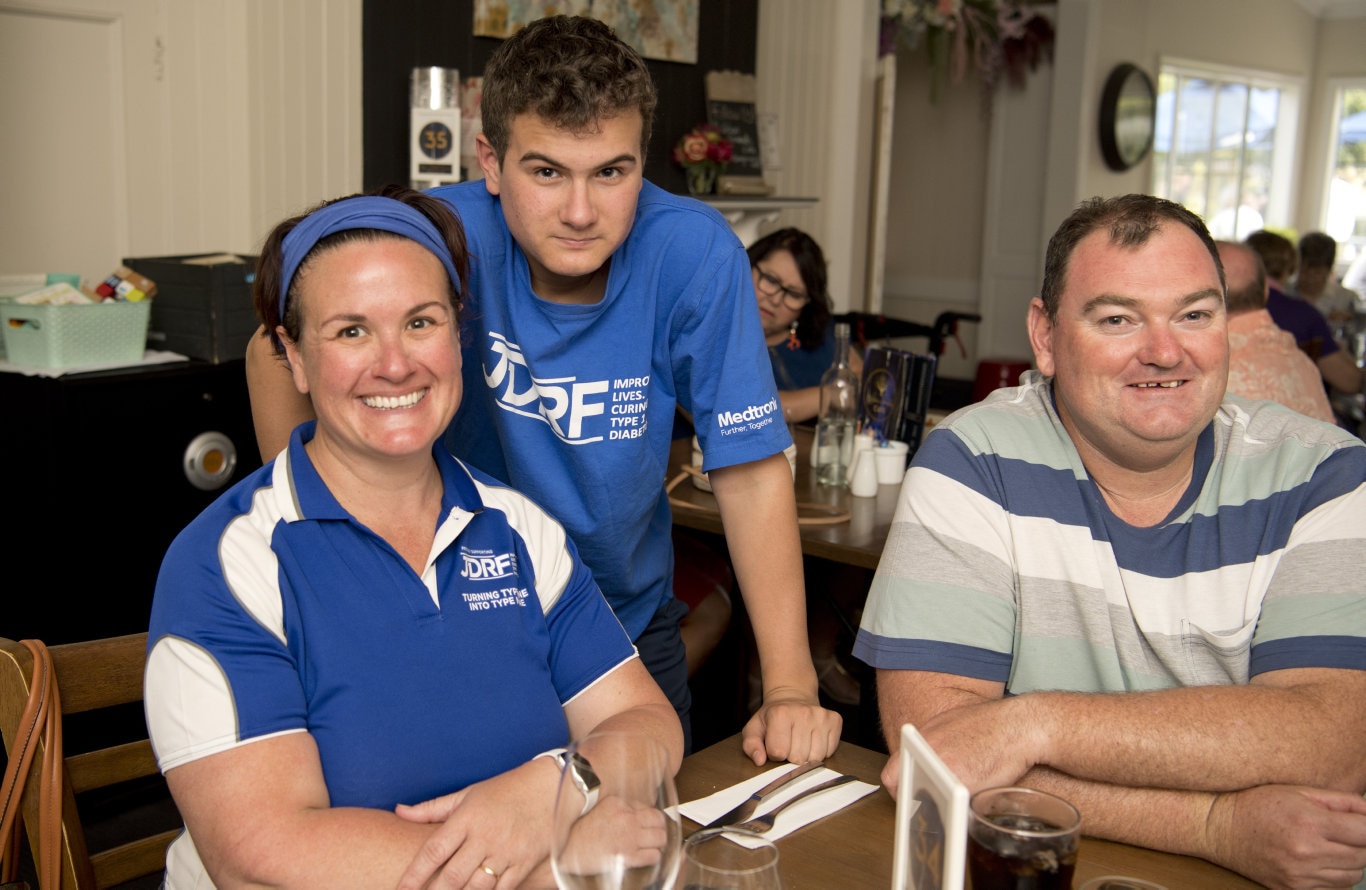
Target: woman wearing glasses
[(789, 282)]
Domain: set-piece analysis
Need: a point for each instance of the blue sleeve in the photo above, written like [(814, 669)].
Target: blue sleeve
[(253, 687), (720, 351), (587, 640)]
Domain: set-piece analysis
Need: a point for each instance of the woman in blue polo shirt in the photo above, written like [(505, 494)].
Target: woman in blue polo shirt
[(367, 623)]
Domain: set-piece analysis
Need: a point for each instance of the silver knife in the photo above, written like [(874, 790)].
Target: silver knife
[(750, 804), (761, 824)]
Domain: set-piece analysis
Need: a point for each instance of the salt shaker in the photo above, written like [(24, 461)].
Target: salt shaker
[(863, 483)]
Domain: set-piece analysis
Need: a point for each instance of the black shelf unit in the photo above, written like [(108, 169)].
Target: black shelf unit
[(95, 491)]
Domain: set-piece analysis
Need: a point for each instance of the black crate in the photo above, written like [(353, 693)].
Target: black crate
[(201, 310)]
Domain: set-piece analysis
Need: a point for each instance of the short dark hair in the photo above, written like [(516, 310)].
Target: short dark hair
[(1319, 250), (1245, 296), (568, 70), (1131, 219), (810, 259), (265, 290), (1277, 252)]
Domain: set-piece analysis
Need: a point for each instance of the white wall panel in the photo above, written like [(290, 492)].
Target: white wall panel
[(304, 73), (65, 201), (154, 127), (816, 70)]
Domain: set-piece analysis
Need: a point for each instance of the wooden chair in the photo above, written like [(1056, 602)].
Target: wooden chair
[(91, 676)]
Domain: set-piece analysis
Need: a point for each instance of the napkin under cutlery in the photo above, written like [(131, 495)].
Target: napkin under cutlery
[(705, 809)]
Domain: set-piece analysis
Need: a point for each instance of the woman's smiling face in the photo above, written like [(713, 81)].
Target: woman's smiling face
[(378, 350)]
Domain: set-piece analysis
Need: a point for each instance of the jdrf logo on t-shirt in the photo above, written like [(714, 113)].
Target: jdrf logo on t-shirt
[(566, 404)]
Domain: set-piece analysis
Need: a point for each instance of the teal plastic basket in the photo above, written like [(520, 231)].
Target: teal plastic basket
[(71, 336)]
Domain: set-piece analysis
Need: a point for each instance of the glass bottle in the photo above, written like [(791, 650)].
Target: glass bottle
[(838, 415)]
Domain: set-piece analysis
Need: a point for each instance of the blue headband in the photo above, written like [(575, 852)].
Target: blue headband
[(369, 212)]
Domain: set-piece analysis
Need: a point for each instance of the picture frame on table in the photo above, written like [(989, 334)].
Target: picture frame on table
[(930, 846)]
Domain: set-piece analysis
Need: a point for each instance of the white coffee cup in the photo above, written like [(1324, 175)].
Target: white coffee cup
[(891, 461), (699, 481), (703, 483)]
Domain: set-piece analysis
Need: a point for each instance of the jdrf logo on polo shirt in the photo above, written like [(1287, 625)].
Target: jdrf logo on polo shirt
[(485, 565)]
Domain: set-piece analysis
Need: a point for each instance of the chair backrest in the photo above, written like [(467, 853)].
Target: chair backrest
[(91, 676), (865, 327)]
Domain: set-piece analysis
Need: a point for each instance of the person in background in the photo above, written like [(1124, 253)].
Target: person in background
[(1301, 319), (789, 273), (599, 302), (337, 637), (1118, 585), (1263, 360), (1316, 284)]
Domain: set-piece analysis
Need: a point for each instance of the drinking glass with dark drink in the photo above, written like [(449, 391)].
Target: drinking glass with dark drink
[(1021, 839)]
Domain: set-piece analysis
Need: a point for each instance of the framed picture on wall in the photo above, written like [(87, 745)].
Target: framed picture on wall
[(658, 29), (731, 108)]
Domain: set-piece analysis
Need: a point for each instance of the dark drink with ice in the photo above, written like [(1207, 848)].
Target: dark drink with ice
[(1020, 839), (1009, 862)]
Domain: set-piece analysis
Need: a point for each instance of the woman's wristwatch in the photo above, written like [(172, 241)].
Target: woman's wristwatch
[(580, 772)]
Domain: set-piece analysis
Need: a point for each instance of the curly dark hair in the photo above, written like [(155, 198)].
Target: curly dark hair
[(569, 71), (1131, 220), (815, 315), (265, 291)]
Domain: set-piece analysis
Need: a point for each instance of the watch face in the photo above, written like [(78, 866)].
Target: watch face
[(1126, 117)]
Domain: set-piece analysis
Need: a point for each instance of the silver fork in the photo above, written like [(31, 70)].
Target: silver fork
[(761, 824)]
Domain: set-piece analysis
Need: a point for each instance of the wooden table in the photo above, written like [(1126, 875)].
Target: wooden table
[(852, 849), (856, 542)]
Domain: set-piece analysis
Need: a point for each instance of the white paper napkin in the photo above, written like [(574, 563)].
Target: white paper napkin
[(705, 809)]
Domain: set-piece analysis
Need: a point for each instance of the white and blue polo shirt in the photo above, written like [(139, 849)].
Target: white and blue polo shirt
[(276, 611)]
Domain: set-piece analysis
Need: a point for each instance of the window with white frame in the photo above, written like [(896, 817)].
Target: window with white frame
[(1344, 200), (1224, 145)]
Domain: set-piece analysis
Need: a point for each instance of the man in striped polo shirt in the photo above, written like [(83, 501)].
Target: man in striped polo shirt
[(1120, 585)]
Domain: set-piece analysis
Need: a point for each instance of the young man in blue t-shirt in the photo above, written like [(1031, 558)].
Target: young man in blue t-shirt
[(598, 304)]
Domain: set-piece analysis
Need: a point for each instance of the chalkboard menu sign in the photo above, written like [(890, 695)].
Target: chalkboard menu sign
[(731, 109), (737, 122)]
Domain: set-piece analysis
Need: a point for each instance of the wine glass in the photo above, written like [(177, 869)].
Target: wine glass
[(617, 825), (729, 858)]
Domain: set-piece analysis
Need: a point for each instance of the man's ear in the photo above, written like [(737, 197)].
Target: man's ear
[(488, 162), (1041, 337)]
